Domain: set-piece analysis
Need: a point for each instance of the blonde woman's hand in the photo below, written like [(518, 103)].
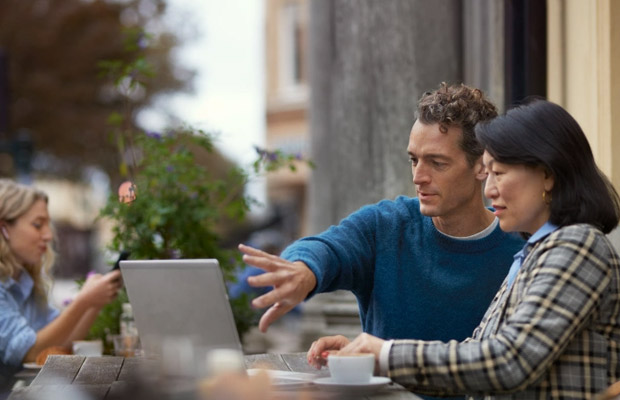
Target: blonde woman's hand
[(99, 290)]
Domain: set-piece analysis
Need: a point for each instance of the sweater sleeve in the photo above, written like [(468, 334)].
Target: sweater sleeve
[(342, 257), (562, 290), (16, 336)]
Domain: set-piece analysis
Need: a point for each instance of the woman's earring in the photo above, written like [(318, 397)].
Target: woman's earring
[(546, 200), (5, 233)]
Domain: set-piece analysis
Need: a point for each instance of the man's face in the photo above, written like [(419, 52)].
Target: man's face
[(446, 184)]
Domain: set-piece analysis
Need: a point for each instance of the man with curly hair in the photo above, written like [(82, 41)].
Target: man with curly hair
[(424, 267)]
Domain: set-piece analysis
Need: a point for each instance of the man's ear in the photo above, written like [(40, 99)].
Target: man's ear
[(480, 170)]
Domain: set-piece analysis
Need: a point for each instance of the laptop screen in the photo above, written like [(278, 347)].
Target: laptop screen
[(180, 298)]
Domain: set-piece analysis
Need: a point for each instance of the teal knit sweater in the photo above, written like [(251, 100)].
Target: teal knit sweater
[(410, 280)]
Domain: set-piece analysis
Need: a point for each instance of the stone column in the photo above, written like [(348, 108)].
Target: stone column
[(370, 61), (483, 48)]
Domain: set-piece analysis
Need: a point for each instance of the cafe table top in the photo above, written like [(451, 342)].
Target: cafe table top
[(107, 376)]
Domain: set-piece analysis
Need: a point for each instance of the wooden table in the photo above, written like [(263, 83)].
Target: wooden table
[(110, 377)]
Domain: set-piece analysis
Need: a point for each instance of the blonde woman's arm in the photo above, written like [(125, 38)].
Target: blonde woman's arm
[(83, 326), (98, 290)]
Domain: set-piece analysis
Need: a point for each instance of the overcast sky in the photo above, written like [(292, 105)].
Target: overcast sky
[(224, 43)]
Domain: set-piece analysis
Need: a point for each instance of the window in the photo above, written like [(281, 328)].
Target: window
[(292, 50)]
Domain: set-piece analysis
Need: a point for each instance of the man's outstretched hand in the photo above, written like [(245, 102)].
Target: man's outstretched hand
[(291, 282)]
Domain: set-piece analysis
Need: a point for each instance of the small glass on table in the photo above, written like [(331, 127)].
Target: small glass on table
[(126, 345)]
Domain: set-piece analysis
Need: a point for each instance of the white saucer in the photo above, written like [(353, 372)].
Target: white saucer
[(375, 383), (285, 380), (32, 365)]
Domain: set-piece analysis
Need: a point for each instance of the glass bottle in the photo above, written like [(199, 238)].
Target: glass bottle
[(127, 322)]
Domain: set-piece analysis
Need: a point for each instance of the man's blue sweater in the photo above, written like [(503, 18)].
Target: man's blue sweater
[(410, 280)]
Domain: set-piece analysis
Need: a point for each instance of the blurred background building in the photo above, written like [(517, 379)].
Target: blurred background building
[(366, 64), (286, 115)]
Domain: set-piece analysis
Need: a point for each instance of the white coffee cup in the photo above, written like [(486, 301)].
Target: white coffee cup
[(352, 368), (224, 361), (88, 348)]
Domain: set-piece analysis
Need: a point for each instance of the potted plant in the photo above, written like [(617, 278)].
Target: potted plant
[(181, 193), (179, 205)]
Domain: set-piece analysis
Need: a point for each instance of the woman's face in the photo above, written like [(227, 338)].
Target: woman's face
[(30, 234), (516, 193)]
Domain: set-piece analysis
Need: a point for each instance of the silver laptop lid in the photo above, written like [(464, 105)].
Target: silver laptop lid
[(180, 298)]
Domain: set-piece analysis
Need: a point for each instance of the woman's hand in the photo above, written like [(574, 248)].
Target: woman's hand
[(317, 355), (99, 290), (365, 343), (74, 321)]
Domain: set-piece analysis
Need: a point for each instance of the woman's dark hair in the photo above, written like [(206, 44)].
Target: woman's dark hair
[(541, 133)]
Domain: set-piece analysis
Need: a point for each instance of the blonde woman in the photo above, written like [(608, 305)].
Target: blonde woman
[(28, 323)]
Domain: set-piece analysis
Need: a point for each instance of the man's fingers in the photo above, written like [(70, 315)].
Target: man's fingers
[(291, 283), (260, 262), (271, 315), (268, 299), (251, 251), (267, 263), (267, 279)]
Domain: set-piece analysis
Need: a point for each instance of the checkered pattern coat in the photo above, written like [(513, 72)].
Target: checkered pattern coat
[(555, 334)]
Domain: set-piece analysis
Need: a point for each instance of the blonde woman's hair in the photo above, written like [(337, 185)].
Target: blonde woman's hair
[(15, 201)]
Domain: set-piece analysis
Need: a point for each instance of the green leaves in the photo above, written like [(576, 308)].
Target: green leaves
[(179, 205), (269, 161), (186, 193)]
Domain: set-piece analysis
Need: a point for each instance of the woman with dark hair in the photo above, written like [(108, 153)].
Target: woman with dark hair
[(553, 329), (543, 134)]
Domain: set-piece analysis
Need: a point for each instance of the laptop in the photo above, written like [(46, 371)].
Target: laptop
[(180, 299)]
